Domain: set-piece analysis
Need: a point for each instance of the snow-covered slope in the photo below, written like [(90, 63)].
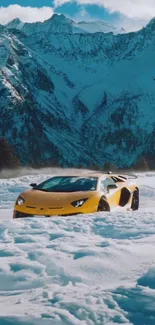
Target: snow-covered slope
[(90, 97), (87, 270), (33, 114)]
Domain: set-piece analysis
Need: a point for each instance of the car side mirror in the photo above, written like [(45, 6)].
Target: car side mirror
[(33, 185), (111, 187)]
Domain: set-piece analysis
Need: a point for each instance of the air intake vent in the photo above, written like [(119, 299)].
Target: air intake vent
[(30, 207), (53, 208)]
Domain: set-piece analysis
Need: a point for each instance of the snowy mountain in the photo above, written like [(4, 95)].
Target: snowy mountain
[(77, 98), (61, 24)]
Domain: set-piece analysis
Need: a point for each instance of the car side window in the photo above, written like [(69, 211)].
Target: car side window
[(105, 182)]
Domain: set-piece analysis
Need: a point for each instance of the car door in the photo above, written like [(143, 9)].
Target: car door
[(112, 191)]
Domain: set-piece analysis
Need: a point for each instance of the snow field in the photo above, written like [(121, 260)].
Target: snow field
[(88, 270)]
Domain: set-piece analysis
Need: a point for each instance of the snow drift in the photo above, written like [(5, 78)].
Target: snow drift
[(91, 270)]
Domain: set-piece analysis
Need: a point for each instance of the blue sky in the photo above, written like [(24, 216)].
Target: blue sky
[(72, 9), (123, 13)]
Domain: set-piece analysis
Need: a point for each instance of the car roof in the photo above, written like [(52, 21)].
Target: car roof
[(101, 174), (86, 174), (98, 174)]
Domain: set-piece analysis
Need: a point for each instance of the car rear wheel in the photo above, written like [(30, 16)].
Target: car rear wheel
[(103, 205), (135, 200)]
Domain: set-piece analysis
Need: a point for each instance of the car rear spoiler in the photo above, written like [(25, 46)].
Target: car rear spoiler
[(122, 175), (125, 175)]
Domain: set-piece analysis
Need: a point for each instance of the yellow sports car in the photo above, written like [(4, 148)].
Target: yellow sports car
[(78, 194)]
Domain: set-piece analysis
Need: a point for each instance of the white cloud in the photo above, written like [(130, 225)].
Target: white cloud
[(26, 14), (134, 14), (136, 9), (130, 25), (58, 3)]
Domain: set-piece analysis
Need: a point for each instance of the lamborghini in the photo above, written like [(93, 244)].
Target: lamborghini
[(78, 194)]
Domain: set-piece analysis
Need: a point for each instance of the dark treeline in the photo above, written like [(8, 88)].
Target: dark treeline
[(7, 156), (9, 160)]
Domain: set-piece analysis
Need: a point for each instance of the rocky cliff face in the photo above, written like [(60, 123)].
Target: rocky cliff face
[(77, 98)]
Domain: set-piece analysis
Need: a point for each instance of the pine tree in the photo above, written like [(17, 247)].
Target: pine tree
[(142, 164), (7, 157)]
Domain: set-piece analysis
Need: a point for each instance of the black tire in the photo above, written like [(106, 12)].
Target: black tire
[(135, 200), (103, 205), (19, 215)]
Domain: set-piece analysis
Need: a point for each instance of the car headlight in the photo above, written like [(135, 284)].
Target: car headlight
[(20, 201), (79, 203)]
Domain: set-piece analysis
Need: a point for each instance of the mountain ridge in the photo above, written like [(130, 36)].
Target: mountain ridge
[(60, 23), (89, 96)]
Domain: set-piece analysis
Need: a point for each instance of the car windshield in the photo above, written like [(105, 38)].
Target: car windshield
[(68, 184)]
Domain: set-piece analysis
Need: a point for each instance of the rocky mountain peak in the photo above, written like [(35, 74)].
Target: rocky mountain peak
[(60, 19), (13, 23), (151, 24), (61, 24)]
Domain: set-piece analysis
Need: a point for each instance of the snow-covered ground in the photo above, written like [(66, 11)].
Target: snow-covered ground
[(88, 270)]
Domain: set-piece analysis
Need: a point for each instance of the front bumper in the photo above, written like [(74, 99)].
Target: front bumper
[(19, 215), (28, 210)]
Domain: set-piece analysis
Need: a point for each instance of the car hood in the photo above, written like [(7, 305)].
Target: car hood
[(53, 199)]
